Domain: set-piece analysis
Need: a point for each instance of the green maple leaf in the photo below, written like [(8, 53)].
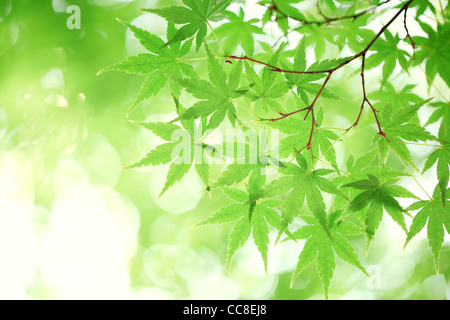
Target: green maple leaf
[(438, 216), (318, 37), (398, 129), (388, 54), (375, 196), (285, 7), (322, 140), (357, 167), (442, 110), (322, 249), (235, 173), (194, 17), (216, 96), (305, 82), (301, 184), (238, 31), (252, 218), (422, 6), (350, 32), (155, 64), (435, 50), (397, 98), (180, 154), (264, 87), (442, 157)]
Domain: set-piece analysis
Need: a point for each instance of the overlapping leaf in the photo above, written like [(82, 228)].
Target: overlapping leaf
[(181, 151), (442, 157), (194, 18), (237, 31), (397, 128), (305, 83), (377, 195), (388, 53), (252, 218), (264, 86), (301, 184), (216, 95), (435, 50), (436, 215), (321, 248), (156, 64)]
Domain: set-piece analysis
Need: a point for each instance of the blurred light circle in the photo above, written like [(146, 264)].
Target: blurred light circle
[(100, 160), (18, 249), (86, 251), (254, 287), (18, 245), (434, 287), (56, 100), (206, 287), (5, 9), (159, 263), (167, 231), (197, 263), (53, 79), (68, 175), (16, 179), (59, 5)]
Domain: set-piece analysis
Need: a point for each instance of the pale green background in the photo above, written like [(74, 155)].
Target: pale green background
[(74, 225)]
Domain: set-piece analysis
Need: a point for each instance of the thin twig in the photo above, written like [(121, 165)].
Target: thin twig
[(326, 20)]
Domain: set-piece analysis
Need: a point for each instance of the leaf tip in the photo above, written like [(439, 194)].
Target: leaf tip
[(291, 283), (130, 110), (139, 123), (102, 70), (122, 22)]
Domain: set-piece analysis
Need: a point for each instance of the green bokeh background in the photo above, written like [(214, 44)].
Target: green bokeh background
[(74, 224)]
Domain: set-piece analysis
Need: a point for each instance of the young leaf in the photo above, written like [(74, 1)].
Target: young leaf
[(320, 247), (237, 238), (442, 157), (194, 16), (376, 196), (435, 49), (254, 218), (238, 31), (438, 216), (155, 65), (216, 96)]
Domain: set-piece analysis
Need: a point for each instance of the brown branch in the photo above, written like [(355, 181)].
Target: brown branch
[(326, 20), (330, 72), (408, 36), (363, 52), (365, 99)]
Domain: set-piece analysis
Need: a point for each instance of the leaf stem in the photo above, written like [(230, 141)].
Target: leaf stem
[(215, 36), (409, 171), (417, 144), (331, 146), (247, 109)]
